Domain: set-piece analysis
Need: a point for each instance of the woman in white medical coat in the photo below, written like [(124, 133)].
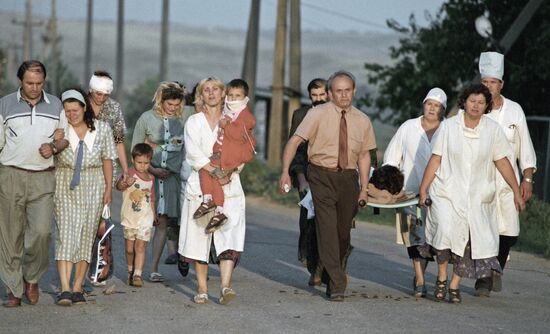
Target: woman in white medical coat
[(409, 150), (460, 177)]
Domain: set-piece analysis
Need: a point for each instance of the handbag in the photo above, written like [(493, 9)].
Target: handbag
[(102, 265)]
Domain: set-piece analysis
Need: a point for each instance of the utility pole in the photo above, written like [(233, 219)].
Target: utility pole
[(164, 40), (120, 53), (52, 49), (27, 37), (27, 24), (295, 66), (251, 51), (88, 52), (276, 113)]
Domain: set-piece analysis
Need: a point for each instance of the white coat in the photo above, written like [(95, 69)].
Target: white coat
[(410, 150), (512, 120), (463, 190), (193, 242)]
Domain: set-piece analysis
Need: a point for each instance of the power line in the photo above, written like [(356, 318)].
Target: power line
[(349, 17)]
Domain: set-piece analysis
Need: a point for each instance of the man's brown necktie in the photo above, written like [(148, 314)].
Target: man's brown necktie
[(343, 143)]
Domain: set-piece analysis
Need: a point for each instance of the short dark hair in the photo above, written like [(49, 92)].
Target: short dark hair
[(142, 149), (339, 74), (102, 73), (32, 66), (89, 114), (238, 83), (388, 178), (476, 89), (317, 83)]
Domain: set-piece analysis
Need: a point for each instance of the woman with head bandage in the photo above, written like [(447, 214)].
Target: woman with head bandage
[(109, 111)]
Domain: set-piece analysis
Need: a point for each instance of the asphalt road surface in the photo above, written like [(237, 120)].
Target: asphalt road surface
[(273, 295)]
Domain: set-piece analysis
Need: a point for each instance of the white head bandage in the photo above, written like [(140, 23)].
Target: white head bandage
[(437, 94), (491, 65), (101, 84), (73, 94)]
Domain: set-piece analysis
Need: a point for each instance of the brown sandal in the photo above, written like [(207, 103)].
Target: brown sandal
[(440, 290), (215, 223), (203, 209), (454, 296)]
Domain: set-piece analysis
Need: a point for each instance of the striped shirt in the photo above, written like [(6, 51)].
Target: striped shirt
[(24, 128)]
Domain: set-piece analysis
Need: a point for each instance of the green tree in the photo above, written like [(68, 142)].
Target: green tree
[(138, 100), (5, 87), (445, 54), (64, 78)]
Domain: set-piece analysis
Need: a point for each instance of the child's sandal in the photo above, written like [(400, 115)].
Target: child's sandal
[(130, 278), (137, 281), (215, 223), (454, 296), (203, 209), (201, 298), (440, 290)]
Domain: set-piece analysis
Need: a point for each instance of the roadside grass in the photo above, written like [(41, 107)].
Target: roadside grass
[(260, 180), (534, 234)]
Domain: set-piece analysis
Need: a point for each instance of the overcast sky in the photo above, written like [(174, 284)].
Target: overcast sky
[(341, 15)]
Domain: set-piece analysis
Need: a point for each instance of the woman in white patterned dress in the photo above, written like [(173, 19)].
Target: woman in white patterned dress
[(83, 185)]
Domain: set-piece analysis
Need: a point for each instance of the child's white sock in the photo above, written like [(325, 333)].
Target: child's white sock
[(137, 272), (130, 269), (219, 209), (207, 198)]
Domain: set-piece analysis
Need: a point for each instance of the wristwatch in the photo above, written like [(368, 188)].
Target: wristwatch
[(528, 180)]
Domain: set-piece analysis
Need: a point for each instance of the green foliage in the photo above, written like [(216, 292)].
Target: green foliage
[(138, 101), (259, 179), (445, 55), (5, 86), (63, 80), (535, 228)]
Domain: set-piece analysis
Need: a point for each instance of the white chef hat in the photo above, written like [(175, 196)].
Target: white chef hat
[(491, 65), (437, 94)]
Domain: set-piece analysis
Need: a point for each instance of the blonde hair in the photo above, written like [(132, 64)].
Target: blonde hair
[(169, 90), (199, 103)]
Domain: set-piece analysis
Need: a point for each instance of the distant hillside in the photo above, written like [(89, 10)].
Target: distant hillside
[(197, 53)]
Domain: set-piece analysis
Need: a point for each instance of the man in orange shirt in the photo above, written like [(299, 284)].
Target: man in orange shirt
[(339, 139)]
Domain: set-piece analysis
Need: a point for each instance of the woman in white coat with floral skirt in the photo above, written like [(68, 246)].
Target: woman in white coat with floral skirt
[(460, 178)]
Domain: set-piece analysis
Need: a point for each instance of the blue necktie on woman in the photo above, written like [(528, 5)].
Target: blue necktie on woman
[(78, 165)]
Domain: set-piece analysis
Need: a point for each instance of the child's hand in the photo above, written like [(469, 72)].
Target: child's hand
[(223, 122), (156, 222), (130, 180)]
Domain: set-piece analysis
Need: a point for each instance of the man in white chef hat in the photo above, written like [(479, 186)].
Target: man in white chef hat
[(511, 118)]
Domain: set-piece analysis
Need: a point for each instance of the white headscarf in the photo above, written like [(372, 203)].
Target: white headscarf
[(101, 84)]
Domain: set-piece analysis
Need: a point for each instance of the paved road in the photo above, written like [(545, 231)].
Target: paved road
[(273, 296)]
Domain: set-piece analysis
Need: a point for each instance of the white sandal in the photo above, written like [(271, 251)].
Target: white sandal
[(156, 277), (227, 295), (200, 298)]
